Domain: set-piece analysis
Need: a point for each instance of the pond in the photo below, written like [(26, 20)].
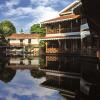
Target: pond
[(49, 78)]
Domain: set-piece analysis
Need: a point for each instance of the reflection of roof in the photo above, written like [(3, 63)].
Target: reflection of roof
[(23, 36), (14, 67), (62, 18)]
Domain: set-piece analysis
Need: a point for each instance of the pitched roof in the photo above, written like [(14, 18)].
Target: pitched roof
[(70, 6), (23, 36), (62, 18)]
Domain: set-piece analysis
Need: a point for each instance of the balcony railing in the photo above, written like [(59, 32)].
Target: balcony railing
[(63, 30), (89, 51)]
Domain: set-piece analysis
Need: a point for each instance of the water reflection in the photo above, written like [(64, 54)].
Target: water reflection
[(77, 78), (49, 78), (24, 83), (90, 80)]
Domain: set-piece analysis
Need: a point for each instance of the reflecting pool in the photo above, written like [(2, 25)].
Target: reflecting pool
[(49, 78)]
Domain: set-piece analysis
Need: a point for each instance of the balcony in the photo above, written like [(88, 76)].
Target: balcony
[(63, 30)]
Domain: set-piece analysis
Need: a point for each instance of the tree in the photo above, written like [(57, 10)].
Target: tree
[(21, 31), (36, 28), (42, 44), (7, 28)]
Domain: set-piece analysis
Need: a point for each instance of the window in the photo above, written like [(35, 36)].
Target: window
[(29, 41)]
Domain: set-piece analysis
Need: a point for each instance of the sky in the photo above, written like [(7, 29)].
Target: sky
[(24, 13), (25, 87)]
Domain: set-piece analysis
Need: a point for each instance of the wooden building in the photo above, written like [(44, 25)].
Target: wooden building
[(63, 32)]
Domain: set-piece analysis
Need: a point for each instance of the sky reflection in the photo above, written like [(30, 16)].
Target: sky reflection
[(25, 87)]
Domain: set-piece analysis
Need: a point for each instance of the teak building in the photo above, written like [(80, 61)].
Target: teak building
[(63, 32)]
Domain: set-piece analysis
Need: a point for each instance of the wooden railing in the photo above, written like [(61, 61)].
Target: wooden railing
[(89, 51), (63, 30)]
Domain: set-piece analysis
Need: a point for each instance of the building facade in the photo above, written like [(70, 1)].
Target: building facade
[(24, 42), (63, 33)]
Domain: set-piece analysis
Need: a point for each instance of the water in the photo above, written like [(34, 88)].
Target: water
[(18, 81), (49, 78)]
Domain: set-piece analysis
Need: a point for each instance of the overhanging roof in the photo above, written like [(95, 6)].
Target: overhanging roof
[(62, 18), (61, 37), (23, 36)]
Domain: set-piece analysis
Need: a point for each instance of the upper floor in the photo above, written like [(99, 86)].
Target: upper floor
[(23, 39), (67, 22)]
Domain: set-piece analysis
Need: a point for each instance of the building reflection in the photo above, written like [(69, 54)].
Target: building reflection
[(75, 78), (62, 64), (23, 63), (90, 80)]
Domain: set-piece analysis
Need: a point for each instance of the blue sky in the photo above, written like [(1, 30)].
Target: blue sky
[(24, 13)]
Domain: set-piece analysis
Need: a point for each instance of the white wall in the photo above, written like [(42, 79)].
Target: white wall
[(15, 41), (63, 34), (34, 41), (25, 41)]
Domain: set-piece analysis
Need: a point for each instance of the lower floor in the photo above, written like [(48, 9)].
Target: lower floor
[(88, 46), (63, 46)]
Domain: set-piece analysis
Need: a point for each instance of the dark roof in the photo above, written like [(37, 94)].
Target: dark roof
[(23, 36)]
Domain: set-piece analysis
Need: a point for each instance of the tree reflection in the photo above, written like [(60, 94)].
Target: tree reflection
[(6, 74), (37, 73)]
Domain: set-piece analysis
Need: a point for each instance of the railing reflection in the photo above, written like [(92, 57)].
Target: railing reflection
[(75, 77)]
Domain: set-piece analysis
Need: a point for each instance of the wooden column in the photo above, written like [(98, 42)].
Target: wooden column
[(59, 42), (59, 28), (46, 29), (98, 46), (71, 26), (46, 43), (65, 45)]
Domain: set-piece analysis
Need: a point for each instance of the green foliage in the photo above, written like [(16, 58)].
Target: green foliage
[(37, 29), (42, 61), (29, 48), (42, 43), (7, 28), (21, 31), (3, 41)]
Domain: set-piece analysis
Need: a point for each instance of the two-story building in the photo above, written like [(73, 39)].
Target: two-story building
[(63, 32), (24, 42), (69, 33)]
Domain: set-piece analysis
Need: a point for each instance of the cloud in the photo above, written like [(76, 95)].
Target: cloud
[(24, 85), (37, 15), (40, 2), (12, 3), (33, 12), (41, 14), (20, 11), (55, 4)]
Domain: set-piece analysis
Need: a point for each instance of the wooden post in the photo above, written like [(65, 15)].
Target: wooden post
[(65, 45), (46, 43), (98, 46), (59, 42), (59, 28), (71, 26), (46, 30)]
